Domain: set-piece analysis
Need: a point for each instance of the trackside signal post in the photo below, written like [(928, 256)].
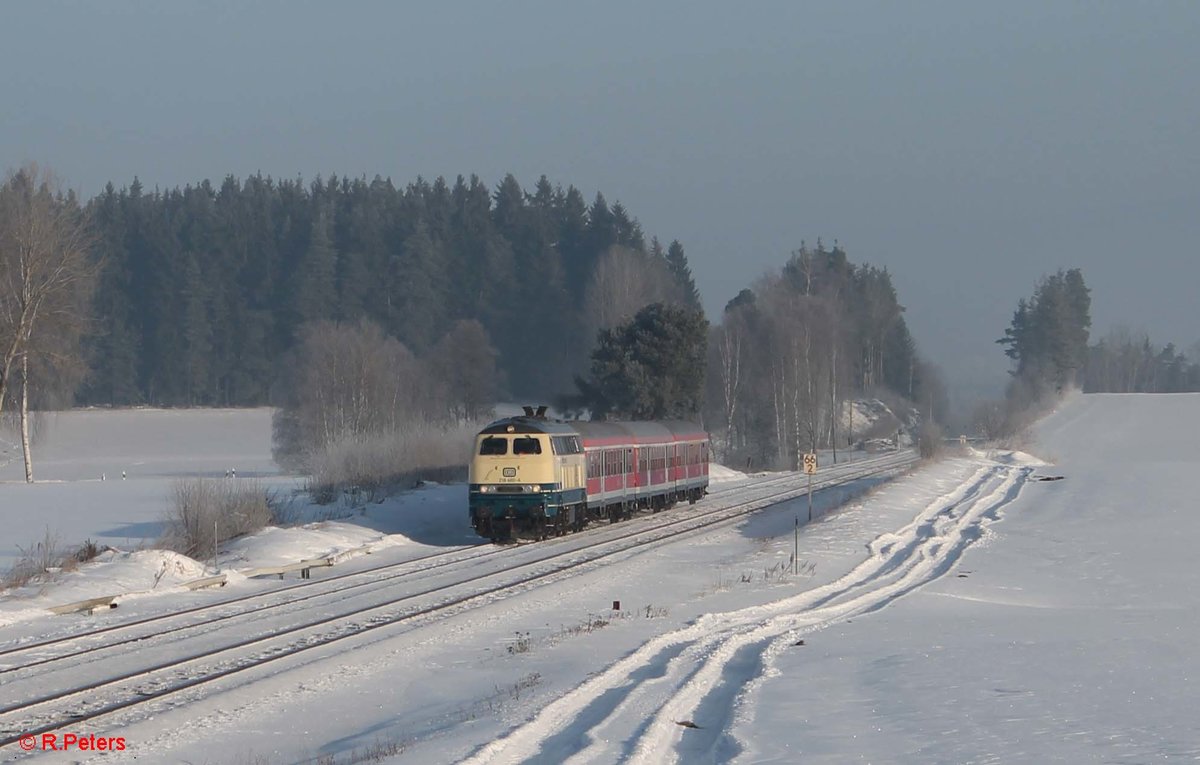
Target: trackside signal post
[(810, 468)]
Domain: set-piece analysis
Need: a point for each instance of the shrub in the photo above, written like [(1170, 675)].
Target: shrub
[(208, 511), (929, 443), (36, 560), (87, 551), (373, 464), (46, 556)]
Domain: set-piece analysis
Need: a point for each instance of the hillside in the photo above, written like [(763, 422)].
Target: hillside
[(1066, 634)]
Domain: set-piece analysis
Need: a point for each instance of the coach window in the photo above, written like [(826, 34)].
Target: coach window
[(493, 446)]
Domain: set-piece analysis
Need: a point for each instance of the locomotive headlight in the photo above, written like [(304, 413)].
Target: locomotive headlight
[(485, 489), (533, 489)]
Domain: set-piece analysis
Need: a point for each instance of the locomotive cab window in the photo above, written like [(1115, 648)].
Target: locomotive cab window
[(527, 445), (493, 446)]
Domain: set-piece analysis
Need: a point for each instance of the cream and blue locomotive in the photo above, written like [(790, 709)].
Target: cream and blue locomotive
[(533, 477)]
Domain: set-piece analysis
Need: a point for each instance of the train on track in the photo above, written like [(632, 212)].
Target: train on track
[(532, 477)]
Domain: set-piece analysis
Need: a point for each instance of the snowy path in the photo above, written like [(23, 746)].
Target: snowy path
[(634, 709)]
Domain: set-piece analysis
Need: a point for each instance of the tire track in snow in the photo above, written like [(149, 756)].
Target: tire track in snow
[(714, 682), (887, 553), (637, 701)]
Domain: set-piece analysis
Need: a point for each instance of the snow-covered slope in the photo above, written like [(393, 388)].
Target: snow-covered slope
[(1067, 635)]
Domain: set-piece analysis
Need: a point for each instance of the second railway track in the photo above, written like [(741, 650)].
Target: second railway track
[(26, 655), (156, 676)]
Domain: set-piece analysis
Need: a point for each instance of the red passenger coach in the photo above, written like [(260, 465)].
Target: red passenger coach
[(643, 465)]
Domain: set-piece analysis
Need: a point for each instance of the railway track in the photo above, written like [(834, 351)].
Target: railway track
[(154, 676), (127, 632), (696, 672)]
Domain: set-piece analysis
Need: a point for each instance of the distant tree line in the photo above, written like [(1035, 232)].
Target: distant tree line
[(1048, 343), (362, 308), (1125, 362), (205, 289)]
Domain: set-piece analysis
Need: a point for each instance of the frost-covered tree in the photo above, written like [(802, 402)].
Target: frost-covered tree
[(46, 282)]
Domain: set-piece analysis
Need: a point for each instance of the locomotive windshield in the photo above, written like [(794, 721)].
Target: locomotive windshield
[(527, 445), (493, 445)]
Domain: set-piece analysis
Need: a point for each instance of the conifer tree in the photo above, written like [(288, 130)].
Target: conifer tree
[(651, 367), (677, 262)]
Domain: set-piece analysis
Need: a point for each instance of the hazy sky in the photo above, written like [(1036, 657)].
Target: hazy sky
[(971, 148)]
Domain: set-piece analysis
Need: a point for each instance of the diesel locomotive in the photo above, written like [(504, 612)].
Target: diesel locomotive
[(532, 477)]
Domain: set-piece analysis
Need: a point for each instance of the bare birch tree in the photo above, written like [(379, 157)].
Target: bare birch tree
[(624, 282), (46, 282), (729, 370), (354, 381)]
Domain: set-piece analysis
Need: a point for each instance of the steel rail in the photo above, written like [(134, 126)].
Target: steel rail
[(620, 544), (318, 584)]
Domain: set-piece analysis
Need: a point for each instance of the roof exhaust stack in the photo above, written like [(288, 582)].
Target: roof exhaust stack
[(528, 411), (541, 412)]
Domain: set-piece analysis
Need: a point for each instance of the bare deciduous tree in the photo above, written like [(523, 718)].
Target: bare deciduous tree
[(46, 281), (360, 410), (354, 381), (728, 340), (624, 282), (465, 363)]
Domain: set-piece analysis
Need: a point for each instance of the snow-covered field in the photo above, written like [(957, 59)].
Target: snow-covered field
[(1068, 633), (75, 450), (81, 494), (967, 612)]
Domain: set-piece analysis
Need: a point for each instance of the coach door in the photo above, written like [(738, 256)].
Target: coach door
[(631, 481)]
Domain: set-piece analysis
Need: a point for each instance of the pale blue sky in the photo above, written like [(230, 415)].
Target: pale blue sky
[(969, 147)]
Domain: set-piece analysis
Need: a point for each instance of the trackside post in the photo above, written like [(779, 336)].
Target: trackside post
[(810, 467)]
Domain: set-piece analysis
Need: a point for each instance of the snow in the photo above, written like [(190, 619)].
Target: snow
[(966, 612), (155, 448), (131, 574), (152, 447), (870, 415), (718, 474), (1067, 635)]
